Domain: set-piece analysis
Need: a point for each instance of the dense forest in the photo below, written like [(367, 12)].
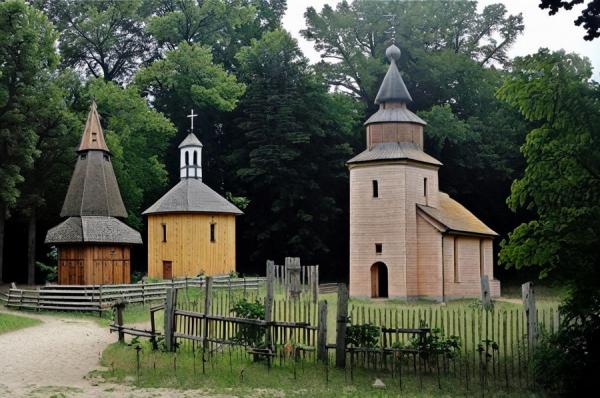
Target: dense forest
[(276, 129)]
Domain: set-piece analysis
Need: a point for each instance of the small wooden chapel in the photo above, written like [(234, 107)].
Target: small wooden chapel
[(191, 229), (408, 239), (94, 246)]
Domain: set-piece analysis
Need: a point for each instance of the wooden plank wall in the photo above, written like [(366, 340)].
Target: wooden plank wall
[(188, 244), (94, 265)]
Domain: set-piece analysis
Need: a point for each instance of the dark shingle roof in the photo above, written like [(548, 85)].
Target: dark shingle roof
[(93, 229), (93, 190), (394, 151), (455, 217), (389, 115), (393, 88), (192, 195), (190, 140)]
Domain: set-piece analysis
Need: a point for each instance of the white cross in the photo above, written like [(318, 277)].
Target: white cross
[(192, 116)]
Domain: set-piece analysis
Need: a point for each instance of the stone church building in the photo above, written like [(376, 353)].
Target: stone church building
[(408, 239)]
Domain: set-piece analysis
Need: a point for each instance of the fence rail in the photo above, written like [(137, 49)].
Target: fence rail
[(99, 297)]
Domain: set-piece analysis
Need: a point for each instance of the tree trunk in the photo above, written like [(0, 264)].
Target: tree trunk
[(31, 231), (2, 221)]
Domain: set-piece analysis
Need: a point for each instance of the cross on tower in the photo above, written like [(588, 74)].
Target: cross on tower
[(392, 19), (192, 116)]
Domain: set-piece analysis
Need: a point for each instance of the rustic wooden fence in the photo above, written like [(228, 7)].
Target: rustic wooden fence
[(99, 297), (490, 346), (295, 280)]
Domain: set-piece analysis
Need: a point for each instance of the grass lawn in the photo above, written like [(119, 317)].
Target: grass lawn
[(10, 322), (240, 376)]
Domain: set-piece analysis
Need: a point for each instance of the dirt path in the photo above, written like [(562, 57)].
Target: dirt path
[(55, 357)]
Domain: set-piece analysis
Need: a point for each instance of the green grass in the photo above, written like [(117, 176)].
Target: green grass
[(242, 377), (10, 322)]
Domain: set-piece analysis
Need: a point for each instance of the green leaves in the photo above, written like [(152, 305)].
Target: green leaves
[(561, 183)]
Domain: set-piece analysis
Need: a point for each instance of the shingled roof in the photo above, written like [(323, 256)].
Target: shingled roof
[(455, 217), (192, 195), (93, 136), (93, 190), (393, 88), (92, 229), (394, 151)]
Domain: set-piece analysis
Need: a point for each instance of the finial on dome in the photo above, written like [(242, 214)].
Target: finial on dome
[(393, 53)]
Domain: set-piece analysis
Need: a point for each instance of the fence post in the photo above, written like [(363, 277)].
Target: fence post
[(315, 283), (486, 297), (170, 303), (207, 305), (342, 319), (530, 313), (322, 332), (269, 302), (143, 292), (293, 266), (119, 306)]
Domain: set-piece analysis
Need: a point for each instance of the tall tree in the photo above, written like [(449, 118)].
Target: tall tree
[(290, 152), (27, 56), (222, 25), (102, 38), (561, 185), (58, 129), (352, 37)]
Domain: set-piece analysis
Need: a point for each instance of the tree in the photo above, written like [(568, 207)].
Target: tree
[(27, 56), (292, 142), (57, 128), (589, 18), (561, 186), (187, 78), (354, 37), (104, 38), (222, 25)]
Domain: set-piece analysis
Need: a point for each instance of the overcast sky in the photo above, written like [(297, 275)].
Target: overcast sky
[(541, 30)]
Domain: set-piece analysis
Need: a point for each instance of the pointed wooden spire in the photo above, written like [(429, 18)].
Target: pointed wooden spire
[(93, 136)]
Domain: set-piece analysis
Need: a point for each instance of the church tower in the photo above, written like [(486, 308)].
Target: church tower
[(395, 248), (93, 244)]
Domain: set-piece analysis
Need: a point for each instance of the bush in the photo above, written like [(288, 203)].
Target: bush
[(252, 335), (366, 335), (567, 362)]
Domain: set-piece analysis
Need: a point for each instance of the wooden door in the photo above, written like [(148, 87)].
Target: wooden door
[(167, 270), (375, 280)]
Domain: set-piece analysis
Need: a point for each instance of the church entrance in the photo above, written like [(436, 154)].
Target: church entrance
[(379, 280)]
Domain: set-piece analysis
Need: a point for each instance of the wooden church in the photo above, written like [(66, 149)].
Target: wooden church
[(191, 229), (408, 239), (94, 246)]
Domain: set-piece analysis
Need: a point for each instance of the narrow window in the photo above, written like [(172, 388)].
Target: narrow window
[(424, 186), (83, 155), (106, 157), (94, 137), (187, 158), (375, 189), (164, 232), (481, 258), (456, 263), (378, 248), (195, 158), (212, 232)]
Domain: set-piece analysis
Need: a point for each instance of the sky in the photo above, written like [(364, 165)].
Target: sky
[(541, 30)]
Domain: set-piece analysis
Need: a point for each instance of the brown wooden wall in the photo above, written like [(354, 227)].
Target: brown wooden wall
[(94, 264), (394, 132), (188, 244)]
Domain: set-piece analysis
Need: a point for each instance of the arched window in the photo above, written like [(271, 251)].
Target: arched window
[(187, 158), (195, 158)]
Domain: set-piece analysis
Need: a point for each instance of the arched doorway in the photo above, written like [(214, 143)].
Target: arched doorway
[(379, 280)]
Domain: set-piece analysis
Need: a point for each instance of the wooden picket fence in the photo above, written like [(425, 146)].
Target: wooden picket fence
[(99, 297)]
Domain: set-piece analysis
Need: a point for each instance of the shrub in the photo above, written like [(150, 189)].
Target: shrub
[(252, 335), (366, 335)]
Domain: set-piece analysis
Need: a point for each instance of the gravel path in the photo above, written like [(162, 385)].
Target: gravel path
[(55, 358)]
